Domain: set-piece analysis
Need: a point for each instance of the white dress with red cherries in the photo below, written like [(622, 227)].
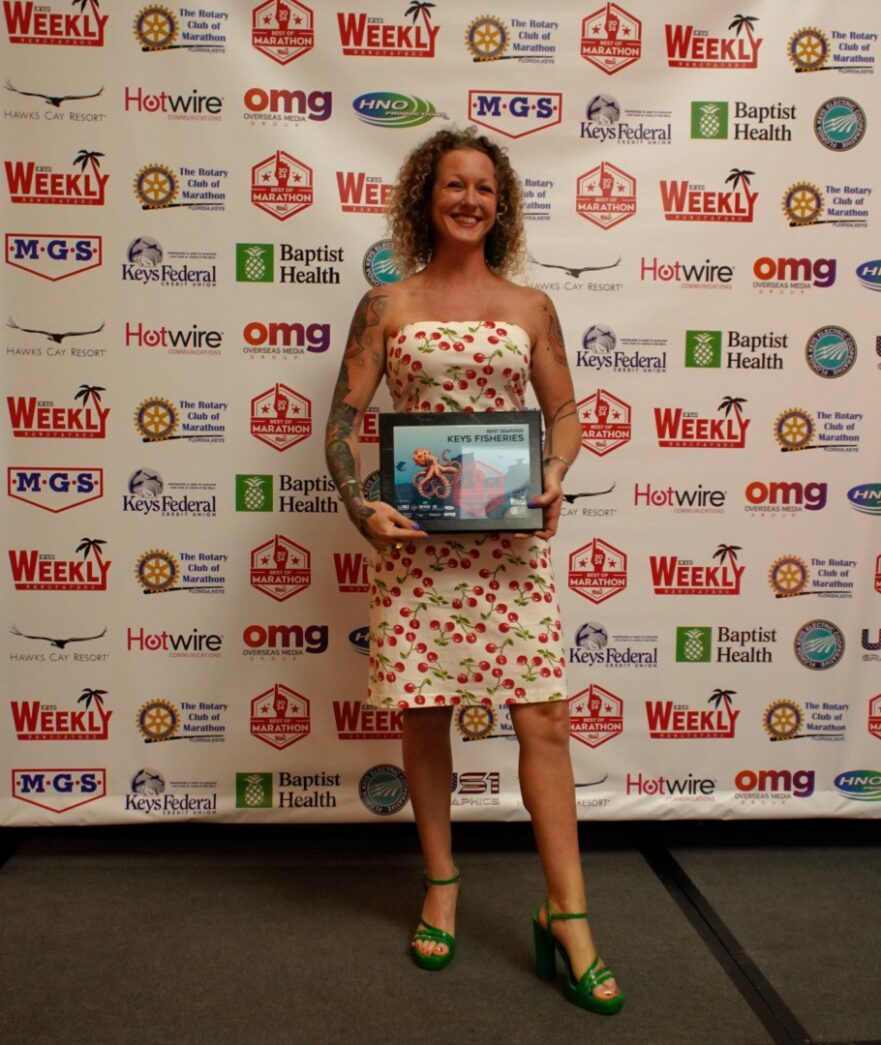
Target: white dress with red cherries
[(463, 618)]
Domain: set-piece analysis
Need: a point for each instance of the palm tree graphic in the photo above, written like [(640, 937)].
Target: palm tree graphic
[(730, 403), (90, 544), (94, 4), (420, 7), (88, 695), (85, 156), (737, 176), (719, 695), (93, 392), (727, 551), (743, 22)]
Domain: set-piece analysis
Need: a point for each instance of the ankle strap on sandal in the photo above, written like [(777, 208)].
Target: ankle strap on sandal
[(441, 881), (562, 916)]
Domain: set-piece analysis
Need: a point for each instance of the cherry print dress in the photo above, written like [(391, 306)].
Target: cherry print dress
[(463, 618)]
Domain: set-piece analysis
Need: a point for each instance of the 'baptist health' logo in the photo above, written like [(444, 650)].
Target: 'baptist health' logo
[(709, 120), (255, 262)]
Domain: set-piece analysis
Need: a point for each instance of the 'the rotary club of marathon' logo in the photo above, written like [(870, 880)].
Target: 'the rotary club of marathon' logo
[(606, 195), (692, 48), (595, 716), (280, 717), (803, 204), (31, 23), (282, 29), (280, 568), (611, 38), (53, 256), (819, 644), (158, 572), (483, 722), (159, 28), (281, 417), (383, 790), (831, 351), (158, 420), (157, 187), (840, 124), (786, 719), (488, 39), (605, 422), (683, 201), (789, 574), (809, 51), (55, 489), (41, 571), (281, 185), (30, 182), (597, 570)]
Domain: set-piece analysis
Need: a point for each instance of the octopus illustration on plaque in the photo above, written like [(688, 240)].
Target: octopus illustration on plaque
[(440, 474)]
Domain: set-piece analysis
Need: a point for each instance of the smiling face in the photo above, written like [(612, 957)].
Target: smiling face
[(465, 196)]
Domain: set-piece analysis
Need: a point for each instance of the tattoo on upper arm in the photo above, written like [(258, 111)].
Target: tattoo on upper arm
[(368, 314), (555, 335)]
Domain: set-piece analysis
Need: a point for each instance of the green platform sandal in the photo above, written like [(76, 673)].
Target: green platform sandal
[(578, 992), (434, 962)]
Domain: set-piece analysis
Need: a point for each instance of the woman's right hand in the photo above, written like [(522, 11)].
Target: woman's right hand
[(384, 526)]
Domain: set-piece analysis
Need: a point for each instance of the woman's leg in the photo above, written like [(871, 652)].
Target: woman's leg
[(548, 788), (428, 765)]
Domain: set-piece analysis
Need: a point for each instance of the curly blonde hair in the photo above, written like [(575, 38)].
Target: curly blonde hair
[(409, 216)]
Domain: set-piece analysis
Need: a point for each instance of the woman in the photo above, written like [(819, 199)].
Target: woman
[(455, 335)]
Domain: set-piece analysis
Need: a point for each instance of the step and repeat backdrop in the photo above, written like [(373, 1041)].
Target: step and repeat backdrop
[(192, 205)]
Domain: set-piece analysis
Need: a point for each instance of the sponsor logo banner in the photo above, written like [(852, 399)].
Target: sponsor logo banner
[(52, 23), (59, 790), (53, 256), (595, 716), (597, 571), (55, 489), (515, 113), (282, 29)]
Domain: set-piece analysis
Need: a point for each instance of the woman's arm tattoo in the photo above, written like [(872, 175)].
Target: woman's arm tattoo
[(566, 409), (555, 335), (367, 314)]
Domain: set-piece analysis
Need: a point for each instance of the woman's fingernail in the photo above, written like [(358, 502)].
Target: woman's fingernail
[(416, 526), (531, 504)]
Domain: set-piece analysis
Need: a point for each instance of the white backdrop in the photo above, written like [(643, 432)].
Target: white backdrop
[(192, 206)]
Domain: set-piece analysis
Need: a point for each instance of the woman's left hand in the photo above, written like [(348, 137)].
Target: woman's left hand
[(550, 502)]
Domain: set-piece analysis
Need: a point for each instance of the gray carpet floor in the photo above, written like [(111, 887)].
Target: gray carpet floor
[(227, 935)]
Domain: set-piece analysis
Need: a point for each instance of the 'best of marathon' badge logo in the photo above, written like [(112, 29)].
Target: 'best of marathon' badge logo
[(30, 182), (683, 201), (691, 48), (281, 417), (29, 23), (595, 716), (597, 570), (606, 195), (280, 568), (605, 422), (282, 29), (679, 428), (280, 717), (363, 35), (611, 38), (42, 571), (281, 185), (674, 576)]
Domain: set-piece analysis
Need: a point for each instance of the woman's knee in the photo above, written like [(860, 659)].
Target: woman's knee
[(545, 723)]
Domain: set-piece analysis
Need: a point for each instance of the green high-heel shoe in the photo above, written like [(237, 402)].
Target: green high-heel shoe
[(578, 992), (434, 962)]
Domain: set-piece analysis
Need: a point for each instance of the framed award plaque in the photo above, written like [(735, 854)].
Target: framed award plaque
[(463, 472)]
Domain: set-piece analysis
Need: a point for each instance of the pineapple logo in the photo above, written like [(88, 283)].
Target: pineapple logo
[(703, 348), (253, 493), (253, 790), (694, 645), (709, 120), (255, 262)]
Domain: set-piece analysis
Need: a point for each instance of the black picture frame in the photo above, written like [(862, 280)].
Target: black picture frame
[(464, 492)]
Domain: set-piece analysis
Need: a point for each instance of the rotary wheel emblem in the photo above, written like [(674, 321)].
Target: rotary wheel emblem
[(487, 38), (802, 203), (783, 720), (156, 419), (788, 576), (808, 50), (156, 186), (476, 722), (158, 720), (156, 27), (794, 429), (157, 571)]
